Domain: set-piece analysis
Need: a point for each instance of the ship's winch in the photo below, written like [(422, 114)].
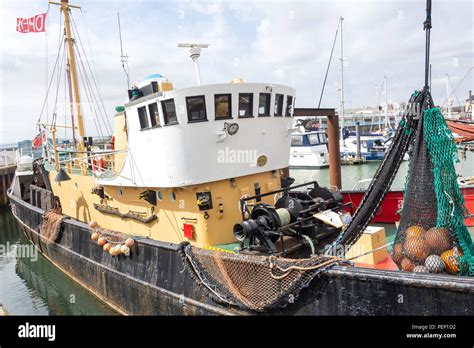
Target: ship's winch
[(304, 215)]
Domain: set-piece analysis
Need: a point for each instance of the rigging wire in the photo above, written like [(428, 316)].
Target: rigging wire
[(329, 64), (102, 112), (101, 104), (88, 94), (457, 86), (50, 82)]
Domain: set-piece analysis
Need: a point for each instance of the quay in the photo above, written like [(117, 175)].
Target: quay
[(7, 170)]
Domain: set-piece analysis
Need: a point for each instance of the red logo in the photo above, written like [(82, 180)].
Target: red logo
[(36, 24)]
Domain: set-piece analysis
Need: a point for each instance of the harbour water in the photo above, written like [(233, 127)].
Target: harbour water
[(31, 285)]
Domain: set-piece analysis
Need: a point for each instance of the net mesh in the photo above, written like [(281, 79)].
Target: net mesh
[(432, 236), (253, 282), (382, 179), (51, 225)]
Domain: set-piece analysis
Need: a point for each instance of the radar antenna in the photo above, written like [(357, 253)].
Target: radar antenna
[(195, 53)]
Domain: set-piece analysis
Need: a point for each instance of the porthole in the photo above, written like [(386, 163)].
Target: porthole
[(120, 192), (173, 196), (159, 195)]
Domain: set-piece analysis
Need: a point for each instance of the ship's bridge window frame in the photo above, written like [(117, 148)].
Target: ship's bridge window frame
[(289, 106), (278, 110), (202, 112), (323, 138), (154, 115), (249, 109), (264, 110), (299, 142), (229, 107), (313, 139), (169, 121), (143, 117)]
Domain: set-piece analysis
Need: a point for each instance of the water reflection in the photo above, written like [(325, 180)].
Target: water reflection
[(36, 287)]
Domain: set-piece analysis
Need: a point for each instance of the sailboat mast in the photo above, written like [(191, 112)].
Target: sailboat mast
[(342, 81), (65, 8), (387, 122)]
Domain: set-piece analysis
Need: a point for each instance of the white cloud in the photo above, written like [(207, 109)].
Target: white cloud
[(266, 41)]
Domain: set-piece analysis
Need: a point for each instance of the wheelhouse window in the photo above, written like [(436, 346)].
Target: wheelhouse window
[(296, 140), (279, 105), (313, 139), (223, 106), (154, 115), (245, 105), (264, 104), (143, 117), (169, 112), (323, 138), (289, 105), (196, 108)]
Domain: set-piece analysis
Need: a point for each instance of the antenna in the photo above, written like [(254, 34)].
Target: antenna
[(123, 57), (195, 53)]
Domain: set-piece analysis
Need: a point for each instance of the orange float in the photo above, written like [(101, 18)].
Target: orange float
[(416, 249), (438, 239), (407, 265), (451, 260), (414, 231)]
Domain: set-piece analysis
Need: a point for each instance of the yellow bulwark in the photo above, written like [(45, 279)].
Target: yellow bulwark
[(164, 221)]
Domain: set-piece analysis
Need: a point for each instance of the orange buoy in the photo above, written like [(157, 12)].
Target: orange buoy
[(95, 236), (129, 242), (451, 260), (414, 231), (93, 224), (416, 249), (407, 265), (125, 250), (438, 239), (114, 251), (397, 253), (107, 247), (101, 241)]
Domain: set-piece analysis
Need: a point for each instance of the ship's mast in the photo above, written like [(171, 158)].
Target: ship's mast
[(342, 81), (387, 121), (65, 8)]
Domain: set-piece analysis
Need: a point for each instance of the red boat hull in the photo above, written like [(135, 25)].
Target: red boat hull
[(392, 203)]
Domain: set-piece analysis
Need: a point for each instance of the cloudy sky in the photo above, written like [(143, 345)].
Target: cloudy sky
[(285, 42)]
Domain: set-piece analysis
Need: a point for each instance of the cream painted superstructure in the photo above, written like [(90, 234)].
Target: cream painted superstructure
[(175, 162), (188, 153)]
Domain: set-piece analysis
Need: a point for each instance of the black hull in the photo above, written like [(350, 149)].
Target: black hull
[(154, 281)]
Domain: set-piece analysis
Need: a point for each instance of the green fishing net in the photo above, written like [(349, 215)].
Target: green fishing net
[(432, 236)]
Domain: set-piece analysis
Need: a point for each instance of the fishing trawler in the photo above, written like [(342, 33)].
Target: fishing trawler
[(186, 211)]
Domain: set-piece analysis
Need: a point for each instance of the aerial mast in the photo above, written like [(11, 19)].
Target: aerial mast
[(65, 8), (342, 81), (194, 54), (123, 57)]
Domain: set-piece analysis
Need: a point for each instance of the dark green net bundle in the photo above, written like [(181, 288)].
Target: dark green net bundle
[(432, 236)]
